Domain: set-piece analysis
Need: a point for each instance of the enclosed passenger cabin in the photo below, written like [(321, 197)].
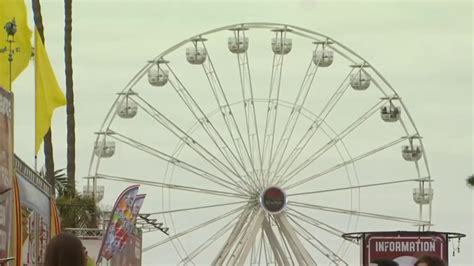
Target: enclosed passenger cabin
[(238, 45), (281, 45), (360, 80), (104, 149), (127, 108), (423, 196), (88, 191), (411, 153), (390, 113), (323, 58), (196, 55), (157, 77)]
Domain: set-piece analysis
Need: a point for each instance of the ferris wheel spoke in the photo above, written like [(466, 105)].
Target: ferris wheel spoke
[(228, 115), (317, 244), (193, 229), (206, 124), (285, 176), (268, 255), (249, 105), (240, 227), (294, 115), (358, 213), (316, 124), (272, 106), (186, 138), (316, 223), (361, 186), (206, 244), (343, 164), (261, 248), (240, 242), (196, 208), (175, 161), (170, 186)]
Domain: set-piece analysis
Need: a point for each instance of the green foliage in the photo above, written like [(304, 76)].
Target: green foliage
[(76, 211), (61, 185), (470, 181)]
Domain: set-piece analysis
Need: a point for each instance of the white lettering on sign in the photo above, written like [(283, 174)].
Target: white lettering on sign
[(5, 107), (406, 246)]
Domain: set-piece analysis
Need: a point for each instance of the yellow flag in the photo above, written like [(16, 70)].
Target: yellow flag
[(48, 94), (21, 44)]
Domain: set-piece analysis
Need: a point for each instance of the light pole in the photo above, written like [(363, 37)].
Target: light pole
[(10, 28)]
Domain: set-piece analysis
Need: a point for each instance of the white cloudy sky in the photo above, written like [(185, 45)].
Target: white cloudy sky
[(423, 48)]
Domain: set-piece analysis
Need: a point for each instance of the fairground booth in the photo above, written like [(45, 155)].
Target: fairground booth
[(28, 216)]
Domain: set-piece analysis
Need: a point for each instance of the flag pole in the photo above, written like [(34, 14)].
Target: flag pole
[(35, 95)]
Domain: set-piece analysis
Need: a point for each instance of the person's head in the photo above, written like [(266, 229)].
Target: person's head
[(384, 262), (429, 261), (64, 250)]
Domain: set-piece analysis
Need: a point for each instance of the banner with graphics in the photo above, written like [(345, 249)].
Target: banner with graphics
[(35, 214), (404, 247), (6, 171), (131, 254), (120, 225)]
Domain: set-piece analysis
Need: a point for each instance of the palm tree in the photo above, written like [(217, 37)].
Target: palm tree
[(470, 181), (48, 143), (75, 210), (71, 123), (61, 184)]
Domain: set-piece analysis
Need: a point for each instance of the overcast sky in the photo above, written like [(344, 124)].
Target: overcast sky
[(423, 48)]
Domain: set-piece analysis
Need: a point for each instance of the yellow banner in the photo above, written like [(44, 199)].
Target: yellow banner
[(49, 96), (13, 13)]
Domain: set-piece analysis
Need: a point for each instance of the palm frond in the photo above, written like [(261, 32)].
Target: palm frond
[(470, 181)]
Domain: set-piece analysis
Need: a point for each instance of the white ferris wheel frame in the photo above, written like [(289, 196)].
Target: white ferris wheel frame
[(292, 235)]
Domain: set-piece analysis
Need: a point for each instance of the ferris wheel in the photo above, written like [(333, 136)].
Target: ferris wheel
[(263, 143)]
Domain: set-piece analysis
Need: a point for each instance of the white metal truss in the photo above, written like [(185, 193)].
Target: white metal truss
[(272, 107), (249, 107), (301, 254)]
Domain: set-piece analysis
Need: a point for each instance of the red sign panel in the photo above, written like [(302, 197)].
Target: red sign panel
[(403, 247)]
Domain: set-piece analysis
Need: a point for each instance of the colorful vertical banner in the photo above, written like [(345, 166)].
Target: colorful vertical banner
[(137, 205), (132, 251), (55, 223), (17, 223), (120, 225), (6, 171)]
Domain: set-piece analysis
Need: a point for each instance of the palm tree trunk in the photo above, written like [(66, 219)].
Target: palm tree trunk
[(71, 135), (48, 144)]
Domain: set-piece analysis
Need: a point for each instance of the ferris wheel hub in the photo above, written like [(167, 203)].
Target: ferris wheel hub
[(273, 200)]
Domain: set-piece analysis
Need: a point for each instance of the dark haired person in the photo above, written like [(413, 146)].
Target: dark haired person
[(429, 261), (65, 250)]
